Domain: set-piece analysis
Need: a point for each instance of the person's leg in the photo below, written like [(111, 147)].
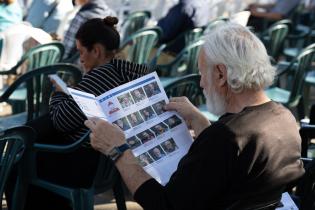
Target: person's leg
[(257, 23), (75, 169), (45, 131)]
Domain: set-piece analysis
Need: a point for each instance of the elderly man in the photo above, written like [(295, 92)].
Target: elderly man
[(242, 161)]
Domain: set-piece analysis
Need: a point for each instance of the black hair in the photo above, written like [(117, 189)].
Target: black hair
[(101, 31)]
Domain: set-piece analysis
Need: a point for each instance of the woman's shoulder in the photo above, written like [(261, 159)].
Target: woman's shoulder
[(127, 64)]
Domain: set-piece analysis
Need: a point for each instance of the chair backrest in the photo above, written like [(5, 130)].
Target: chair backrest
[(277, 34), (188, 86), (39, 88), (304, 61), (106, 176), (42, 55), (214, 23), (141, 43), (192, 35), (13, 143), (185, 62), (134, 22), (1, 43)]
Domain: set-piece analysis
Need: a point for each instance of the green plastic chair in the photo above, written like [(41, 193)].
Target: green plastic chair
[(140, 44), (309, 81), (107, 177), (134, 22), (41, 55), (291, 97), (276, 37), (1, 43), (189, 86), (14, 144), (184, 63), (189, 36), (31, 91), (214, 23), (296, 38)]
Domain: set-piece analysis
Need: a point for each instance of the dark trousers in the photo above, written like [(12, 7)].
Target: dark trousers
[(259, 24), (75, 169)]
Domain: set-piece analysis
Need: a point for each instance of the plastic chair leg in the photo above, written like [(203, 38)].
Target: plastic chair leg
[(119, 195), (83, 200)]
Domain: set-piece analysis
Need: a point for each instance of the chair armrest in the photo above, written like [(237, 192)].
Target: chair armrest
[(62, 148), (158, 53), (302, 32), (10, 71), (307, 132), (284, 67)]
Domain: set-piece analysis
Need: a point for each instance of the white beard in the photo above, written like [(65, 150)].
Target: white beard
[(215, 103)]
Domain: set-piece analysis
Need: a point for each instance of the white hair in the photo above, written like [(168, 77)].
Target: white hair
[(243, 54)]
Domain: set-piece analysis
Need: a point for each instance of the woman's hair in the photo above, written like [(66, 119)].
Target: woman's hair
[(101, 31), (244, 55)]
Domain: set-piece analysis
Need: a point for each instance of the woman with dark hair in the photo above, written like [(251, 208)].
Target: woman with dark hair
[(97, 41)]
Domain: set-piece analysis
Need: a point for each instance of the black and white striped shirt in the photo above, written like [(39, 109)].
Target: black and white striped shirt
[(66, 115)]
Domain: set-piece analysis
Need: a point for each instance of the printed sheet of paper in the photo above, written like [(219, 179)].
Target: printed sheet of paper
[(288, 203), (87, 103), (158, 139)]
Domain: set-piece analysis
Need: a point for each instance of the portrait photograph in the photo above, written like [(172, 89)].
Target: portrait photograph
[(122, 123), (159, 128), (157, 152), (169, 146), (146, 136), (152, 89), (147, 113), (158, 107), (145, 159), (173, 121), (133, 142), (138, 95), (125, 100), (135, 119)]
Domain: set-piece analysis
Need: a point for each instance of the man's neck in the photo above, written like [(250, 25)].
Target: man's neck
[(238, 101)]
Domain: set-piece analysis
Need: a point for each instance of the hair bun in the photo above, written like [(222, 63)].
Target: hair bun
[(110, 21)]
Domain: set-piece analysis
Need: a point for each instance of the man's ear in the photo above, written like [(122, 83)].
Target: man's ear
[(221, 74)]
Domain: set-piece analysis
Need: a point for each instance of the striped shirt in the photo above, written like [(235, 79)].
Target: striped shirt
[(66, 115)]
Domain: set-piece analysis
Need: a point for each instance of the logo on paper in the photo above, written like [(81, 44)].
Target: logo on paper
[(112, 108)]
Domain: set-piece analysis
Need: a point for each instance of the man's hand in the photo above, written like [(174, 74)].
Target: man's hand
[(104, 135), (193, 117), (103, 138)]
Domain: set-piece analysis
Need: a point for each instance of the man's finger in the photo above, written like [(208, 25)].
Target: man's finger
[(171, 106), (90, 124)]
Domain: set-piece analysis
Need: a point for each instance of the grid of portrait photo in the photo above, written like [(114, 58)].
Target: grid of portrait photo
[(138, 95), (136, 118), (158, 152), (151, 133)]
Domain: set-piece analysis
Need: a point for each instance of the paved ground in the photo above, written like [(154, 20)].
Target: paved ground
[(104, 201)]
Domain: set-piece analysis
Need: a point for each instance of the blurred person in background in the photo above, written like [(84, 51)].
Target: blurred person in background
[(185, 15), (90, 9), (272, 12), (10, 13), (48, 14)]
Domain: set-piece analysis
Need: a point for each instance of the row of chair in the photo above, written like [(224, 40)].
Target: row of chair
[(17, 149)]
